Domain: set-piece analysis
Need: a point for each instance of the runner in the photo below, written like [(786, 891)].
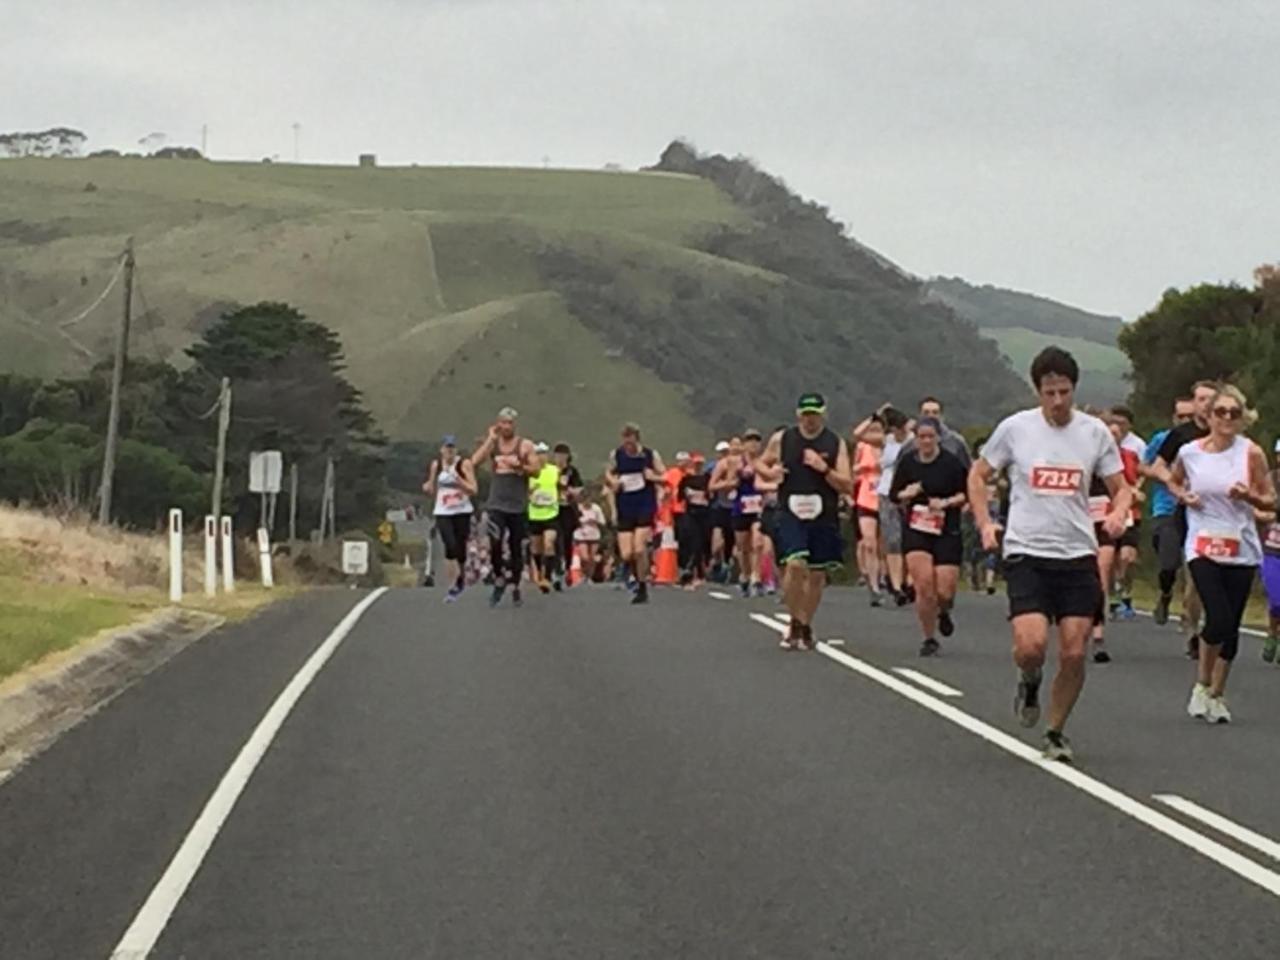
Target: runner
[(1222, 479), (544, 520), (721, 520), (811, 464), (451, 480), (1271, 569), (1166, 529), (867, 457), (634, 474), (587, 537), (1100, 506), (512, 460), (694, 493), (748, 517), (570, 494), (1050, 551), (930, 483), (952, 442), (672, 479), (1195, 429), (1122, 417), (1132, 450), (896, 437)]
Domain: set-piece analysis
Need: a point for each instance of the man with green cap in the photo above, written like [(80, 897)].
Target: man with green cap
[(811, 464)]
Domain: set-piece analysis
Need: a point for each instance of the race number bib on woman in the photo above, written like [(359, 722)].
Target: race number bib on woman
[(1098, 508), (805, 506), (1217, 546), (452, 498), (1056, 480), (924, 520), (751, 503), (1273, 537), (632, 482)]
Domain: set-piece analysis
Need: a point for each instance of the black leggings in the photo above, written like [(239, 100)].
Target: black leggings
[(1224, 591), (566, 524), (514, 528), (693, 537), (1171, 533), (455, 531)]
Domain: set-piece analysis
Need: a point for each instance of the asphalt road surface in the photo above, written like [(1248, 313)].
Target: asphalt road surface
[(586, 779)]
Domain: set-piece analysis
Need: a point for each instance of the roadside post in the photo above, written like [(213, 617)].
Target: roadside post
[(175, 556), (264, 558), (355, 560), (228, 558), (210, 555)]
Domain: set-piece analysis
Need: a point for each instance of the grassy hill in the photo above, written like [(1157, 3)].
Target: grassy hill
[(459, 290), (1023, 324)]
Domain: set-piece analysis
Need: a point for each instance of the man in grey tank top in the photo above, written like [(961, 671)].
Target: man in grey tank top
[(512, 462)]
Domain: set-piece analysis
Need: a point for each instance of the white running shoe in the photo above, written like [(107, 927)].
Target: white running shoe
[(1218, 712), (1198, 707)]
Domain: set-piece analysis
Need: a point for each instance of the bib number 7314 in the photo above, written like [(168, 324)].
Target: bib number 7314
[(1060, 480)]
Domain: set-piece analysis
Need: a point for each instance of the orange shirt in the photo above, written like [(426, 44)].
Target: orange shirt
[(672, 478), (866, 473)]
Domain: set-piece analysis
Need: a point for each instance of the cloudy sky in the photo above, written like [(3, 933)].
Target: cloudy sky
[(1095, 151)]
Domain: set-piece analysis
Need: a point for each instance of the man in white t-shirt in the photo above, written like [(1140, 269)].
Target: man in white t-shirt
[(1050, 550)]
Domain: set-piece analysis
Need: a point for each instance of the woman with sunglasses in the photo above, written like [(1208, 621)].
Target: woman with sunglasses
[(1223, 480)]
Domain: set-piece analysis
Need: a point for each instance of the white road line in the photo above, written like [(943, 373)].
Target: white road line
[(833, 642), (937, 686), (784, 617), (1224, 856), (1247, 631), (717, 595), (1221, 824), (141, 937)]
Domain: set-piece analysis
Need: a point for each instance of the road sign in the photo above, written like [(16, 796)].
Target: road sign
[(266, 470), (355, 557)]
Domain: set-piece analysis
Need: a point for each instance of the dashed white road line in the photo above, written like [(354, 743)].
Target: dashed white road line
[(717, 595), (1224, 856), (1220, 823), (139, 940), (926, 681), (783, 617)]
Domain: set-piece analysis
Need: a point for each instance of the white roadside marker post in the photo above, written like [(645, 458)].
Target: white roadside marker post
[(175, 556), (264, 557), (228, 558), (210, 555)]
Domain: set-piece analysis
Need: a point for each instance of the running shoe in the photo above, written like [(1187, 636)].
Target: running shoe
[(642, 594), (557, 585), (495, 597), (1161, 613), (1026, 703), (900, 598), (759, 589), (876, 600), (1218, 712), (428, 581), (946, 626), (930, 648), (1100, 655), (909, 591), (1057, 747), (1198, 705), (1193, 647), (991, 591), (806, 637), (452, 595), (791, 640), (516, 598), (1269, 648), (745, 589)]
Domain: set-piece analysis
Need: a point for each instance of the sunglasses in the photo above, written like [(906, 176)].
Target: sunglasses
[(1228, 413)]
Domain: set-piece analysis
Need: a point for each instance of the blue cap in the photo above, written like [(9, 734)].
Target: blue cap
[(449, 440)]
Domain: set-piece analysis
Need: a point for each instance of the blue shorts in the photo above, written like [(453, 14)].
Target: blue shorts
[(816, 543)]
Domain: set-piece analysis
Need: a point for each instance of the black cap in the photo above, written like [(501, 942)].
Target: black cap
[(811, 403)]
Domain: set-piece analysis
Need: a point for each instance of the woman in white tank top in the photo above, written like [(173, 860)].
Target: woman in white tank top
[(452, 482), (1222, 480)]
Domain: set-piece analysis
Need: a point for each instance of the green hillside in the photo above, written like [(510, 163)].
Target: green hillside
[(581, 297), (1023, 324)]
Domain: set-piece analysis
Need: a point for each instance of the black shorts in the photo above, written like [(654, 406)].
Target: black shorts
[(632, 524), (947, 549), (743, 522), (1132, 535), (538, 527), (1104, 540), (722, 519), (815, 542), (865, 514), (1055, 588)]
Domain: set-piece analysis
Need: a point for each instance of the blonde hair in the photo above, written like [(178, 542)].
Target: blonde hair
[(1235, 393)]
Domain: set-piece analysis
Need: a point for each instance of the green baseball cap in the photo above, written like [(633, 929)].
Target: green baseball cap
[(811, 403)]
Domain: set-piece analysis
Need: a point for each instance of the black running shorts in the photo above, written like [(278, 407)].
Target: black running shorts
[(1055, 588), (947, 549)]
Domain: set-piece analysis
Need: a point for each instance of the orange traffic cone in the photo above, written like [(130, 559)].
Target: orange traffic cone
[(575, 571), (666, 568)]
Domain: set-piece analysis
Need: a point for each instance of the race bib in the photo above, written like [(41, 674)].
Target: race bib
[(1273, 537), (696, 498), (632, 482), (752, 503), (452, 498), (1054, 480), (543, 498), (805, 506), (1217, 545), (924, 520), (1098, 508)]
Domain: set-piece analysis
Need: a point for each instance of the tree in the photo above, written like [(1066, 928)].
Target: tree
[(54, 142)]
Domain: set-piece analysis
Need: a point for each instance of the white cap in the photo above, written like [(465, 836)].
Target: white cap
[(682, 455), (722, 446), (541, 448), (1278, 445)]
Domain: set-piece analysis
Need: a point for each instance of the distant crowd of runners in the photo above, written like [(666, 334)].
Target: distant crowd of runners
[(1057, 501)]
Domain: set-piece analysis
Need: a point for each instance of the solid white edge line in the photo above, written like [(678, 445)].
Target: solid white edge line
[(926, 681), (1248, 631), (1220, 823), (782, 617), (717, 595), (1224, 856), (142, 935)]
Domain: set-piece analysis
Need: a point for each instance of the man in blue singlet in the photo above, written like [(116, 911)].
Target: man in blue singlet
[(635, 474)]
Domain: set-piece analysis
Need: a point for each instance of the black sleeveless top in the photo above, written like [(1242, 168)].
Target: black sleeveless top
[(802, 479)]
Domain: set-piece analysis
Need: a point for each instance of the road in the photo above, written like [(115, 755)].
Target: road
[(586, 779)]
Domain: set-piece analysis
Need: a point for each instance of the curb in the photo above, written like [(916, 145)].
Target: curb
[(41, 703)]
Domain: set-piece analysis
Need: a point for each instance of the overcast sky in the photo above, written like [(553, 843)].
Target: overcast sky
[(1095, 151)]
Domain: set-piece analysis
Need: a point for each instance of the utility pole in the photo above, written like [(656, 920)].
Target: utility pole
[(219, 467), (293, 503), (117, 378), (204, 141)]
